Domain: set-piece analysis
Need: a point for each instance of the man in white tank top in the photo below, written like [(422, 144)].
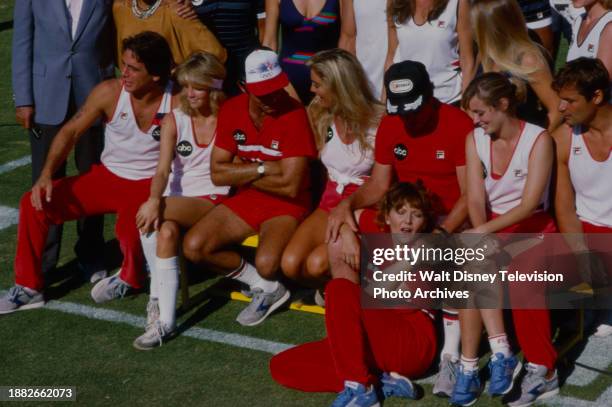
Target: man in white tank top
[(132, 108), (583, 201)]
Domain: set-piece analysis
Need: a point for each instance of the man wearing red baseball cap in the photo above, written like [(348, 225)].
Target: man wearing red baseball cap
[(262, 148)]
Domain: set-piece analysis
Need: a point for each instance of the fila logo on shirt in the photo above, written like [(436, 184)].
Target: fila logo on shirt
[(440, 154), (184, 148), (591, 48), (240, 137), (123, 116), (518, 173), (441, 24), (274, 145), (156, 133), (577, 150), (400, 151)]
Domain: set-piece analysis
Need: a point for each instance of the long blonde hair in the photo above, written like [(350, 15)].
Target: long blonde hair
[(353, 100), (205, 70), (501, 34)]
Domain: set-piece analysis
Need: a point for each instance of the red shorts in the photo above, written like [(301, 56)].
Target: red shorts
[(539, 222), (331, 198), (215, 199), (368, 224), (255, 207)]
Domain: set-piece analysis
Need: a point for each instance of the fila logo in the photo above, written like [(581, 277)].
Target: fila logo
[(240, 137), (330, 135), (184, 148), (577, 150), (274, 144), (156, 133), (440, 154), (591, 48), (518, 173), (400, 151), (123, 116), (441, 24)]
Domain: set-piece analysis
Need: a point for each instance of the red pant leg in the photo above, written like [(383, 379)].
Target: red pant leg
[(346, 333), (93, 193), (308, 367), (402, 341), (367, 342)]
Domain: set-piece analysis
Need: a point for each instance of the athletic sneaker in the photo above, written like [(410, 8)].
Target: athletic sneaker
[(319, 297), (20, 298), (396, 385), (156, 334), (535, 386), (262, 305), (110, 288), (93, 272), (447, 377), (467, 388), (152, 312), (503, 372), (603, 331), (356, 395)]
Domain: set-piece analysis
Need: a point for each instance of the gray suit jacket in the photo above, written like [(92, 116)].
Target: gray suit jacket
[(47, 62)]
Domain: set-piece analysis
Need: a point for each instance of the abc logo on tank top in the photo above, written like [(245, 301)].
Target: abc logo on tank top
[(400, 151), (240, 137), (184, 148)]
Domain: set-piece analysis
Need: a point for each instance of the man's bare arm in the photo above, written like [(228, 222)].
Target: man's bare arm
[(287, 181)]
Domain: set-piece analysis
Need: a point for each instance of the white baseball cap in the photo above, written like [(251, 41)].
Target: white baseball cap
[(263, 73)]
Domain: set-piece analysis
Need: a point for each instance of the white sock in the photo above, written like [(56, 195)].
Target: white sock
[(149, 247), (499, 344), (168, 275), (247, 273), (452, 334), (469, 364)]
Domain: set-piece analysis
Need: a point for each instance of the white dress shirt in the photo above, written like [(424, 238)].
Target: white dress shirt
[(74, 8)]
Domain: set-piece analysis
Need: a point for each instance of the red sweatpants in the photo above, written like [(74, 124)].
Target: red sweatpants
[(96, 192), (360, 344)]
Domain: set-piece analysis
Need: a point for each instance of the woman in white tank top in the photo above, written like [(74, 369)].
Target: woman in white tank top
[(182, 191), (344, 115), (436, 33), (592, 32), (508, 165)]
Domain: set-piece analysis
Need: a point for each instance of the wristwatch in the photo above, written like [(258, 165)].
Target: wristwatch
[(261, 169)]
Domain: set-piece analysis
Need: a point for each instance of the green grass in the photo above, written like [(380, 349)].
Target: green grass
[(46, 347)]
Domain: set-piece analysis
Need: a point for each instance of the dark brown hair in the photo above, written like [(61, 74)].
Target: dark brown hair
[(587, 75), (416, 195), (491, 87), (153, 51), (401, 10)]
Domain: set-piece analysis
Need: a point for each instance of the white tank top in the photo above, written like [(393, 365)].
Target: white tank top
[(128, 152), (371, 45), (190, 174), (347, 163), (435, 44), (590, 44), (591, 181), (506, 192)]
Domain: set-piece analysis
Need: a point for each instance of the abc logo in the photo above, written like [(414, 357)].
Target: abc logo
[(239, 137), (400, 151), (330, 134), (156, 133), (197, 3), (184, 148)]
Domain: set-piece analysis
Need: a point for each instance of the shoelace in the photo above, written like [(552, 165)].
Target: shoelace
[(152, 312), (450, 370), (14, 292), (158, 331), (346, 395), (121, 289), (531, 377)]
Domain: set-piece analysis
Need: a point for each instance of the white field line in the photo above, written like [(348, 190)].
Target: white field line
[(8, 217), (210, 335), (11, 165), (597, 354)]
